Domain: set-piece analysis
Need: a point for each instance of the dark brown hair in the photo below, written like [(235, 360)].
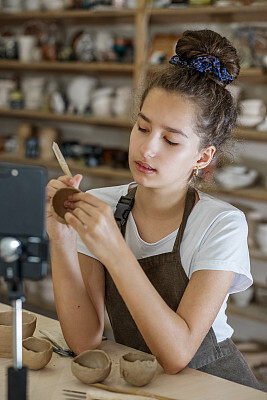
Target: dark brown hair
[(216, 110)]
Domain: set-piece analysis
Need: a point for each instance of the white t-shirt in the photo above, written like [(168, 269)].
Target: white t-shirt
[(215, 238)]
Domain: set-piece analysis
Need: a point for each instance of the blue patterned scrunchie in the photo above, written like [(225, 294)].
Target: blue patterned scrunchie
[(205, 64)]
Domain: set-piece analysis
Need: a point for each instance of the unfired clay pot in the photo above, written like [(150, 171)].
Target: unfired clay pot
[(138, 369), (57, 203), (6, 330), (91, 366), (36, 353)]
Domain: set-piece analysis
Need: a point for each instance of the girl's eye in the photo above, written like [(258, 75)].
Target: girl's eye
[(171, 143), (142, 129)]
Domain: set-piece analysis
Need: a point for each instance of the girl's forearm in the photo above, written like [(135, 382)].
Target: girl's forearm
[(78, 318)]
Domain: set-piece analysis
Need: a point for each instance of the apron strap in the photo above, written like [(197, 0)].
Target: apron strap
[(189, 204), (123, 209)]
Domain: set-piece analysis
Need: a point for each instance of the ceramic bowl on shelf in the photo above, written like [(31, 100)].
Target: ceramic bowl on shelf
[(253, 112), (234, 177), (6, 330), (138, 369), (36, 352), (91, 366)]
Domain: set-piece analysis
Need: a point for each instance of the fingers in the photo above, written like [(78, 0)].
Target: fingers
[(61, 182), (77, 180), (87, 198)]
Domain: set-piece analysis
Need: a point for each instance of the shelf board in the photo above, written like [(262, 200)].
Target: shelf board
[(103, 172), (250, 134), (66, 15), (210, 13), (252, 311), (251, 193), (77, 119), (258, 194), (67, 67)]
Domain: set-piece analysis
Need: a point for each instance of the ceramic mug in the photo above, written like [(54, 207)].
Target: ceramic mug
[(26, 46)]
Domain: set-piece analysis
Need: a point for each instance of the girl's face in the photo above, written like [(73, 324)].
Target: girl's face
[(164, 149)]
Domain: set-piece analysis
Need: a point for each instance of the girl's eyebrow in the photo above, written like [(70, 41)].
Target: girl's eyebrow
[(167, 128)]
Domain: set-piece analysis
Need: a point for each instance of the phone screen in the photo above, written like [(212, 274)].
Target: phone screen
[(22, 200)]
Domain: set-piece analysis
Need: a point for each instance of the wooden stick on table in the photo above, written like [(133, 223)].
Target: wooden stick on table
[(132, 391), (61, 160)]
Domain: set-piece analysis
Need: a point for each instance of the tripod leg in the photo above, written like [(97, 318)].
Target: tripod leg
[(17, 383)]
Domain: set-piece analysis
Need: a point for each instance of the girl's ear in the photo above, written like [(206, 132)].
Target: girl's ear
[(206, 157)]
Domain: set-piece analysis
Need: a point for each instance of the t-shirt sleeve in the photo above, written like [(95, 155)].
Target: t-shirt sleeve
[(224, 247)]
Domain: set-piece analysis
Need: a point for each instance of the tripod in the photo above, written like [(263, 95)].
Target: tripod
[(10, 253)]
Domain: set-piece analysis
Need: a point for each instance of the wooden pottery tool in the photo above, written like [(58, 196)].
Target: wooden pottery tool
[(57, 202)]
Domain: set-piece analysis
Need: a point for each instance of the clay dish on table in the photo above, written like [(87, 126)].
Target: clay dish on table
[(138, 369), (57, 203), (91, 366), (6, 330), (36, 353)]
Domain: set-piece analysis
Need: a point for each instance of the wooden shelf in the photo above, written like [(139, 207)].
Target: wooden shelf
[(258, 194), (209, 13), (250, 134), (77, 119), (239, 133), (94, 15), (251, 193), (67, 67), (103, 172), (252, 311)]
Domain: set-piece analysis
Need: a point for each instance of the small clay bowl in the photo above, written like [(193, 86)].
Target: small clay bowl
[(36, 353), (91, 366), (6, 330), (57, 203), (138, 369)]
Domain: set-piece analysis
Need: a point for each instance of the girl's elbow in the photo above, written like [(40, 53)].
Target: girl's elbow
[(80, 346), (172, 367)]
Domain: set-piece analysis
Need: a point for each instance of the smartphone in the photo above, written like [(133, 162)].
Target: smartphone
[(22, 215)]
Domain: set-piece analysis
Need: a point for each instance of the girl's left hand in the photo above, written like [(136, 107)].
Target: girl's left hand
[(94, 221)]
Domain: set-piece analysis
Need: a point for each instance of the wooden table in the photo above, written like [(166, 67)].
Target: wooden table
[(47, 384)]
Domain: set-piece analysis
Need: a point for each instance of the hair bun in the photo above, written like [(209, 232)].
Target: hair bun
[(205, 43)]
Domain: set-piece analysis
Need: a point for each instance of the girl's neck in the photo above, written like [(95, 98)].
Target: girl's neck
[(160, 203)]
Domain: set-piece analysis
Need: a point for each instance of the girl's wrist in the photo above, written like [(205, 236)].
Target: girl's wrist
[(63, 244)]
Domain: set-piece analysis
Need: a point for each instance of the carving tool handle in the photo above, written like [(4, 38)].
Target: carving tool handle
[(61, 160)]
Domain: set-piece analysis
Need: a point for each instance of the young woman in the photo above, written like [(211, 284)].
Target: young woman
[(166, 274)]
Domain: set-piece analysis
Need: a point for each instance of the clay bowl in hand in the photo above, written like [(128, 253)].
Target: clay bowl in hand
[(91, 366), (6, 330), (138, 369), (57, 203), (36, 353)]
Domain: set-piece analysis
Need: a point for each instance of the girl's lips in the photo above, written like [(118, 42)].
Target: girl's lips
[(143, 167)]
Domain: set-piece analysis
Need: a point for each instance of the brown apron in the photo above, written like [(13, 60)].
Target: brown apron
[(166, 273)]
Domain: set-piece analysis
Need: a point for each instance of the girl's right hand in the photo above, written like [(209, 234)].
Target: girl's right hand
[(55, 230)]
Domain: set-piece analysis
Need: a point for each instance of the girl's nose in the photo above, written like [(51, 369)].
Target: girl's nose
[(149, 148)]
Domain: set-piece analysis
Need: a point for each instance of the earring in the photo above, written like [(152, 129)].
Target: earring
[(195, 171)]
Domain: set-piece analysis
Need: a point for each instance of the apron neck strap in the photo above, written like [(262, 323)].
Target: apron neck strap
[(125, 205), (189, 204)]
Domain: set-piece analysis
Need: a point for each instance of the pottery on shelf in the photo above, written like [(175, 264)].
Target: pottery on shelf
[(91, 366), (6, 330), (138, 369), (57, 203), (36, 352), (235, 176)]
